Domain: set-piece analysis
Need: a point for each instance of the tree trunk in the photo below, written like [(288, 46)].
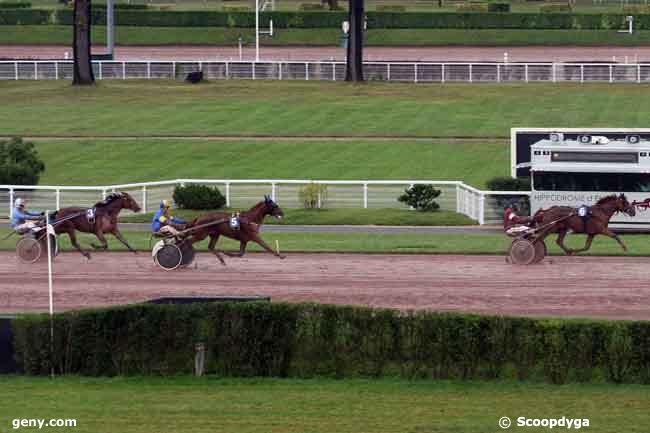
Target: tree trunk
[(354, 71), (83, 70)]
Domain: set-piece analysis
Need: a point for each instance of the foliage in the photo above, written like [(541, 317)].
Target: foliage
[(305, 340), (507, 183), (421, 197), (391, 8), (556, 8), (313, 195), (550, 18), (472, 7), (198, 197), (498, 7), (15, 5), (312, 7), (20, 163)]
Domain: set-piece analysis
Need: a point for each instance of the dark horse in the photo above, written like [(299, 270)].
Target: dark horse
[(69, 219), (594, 223), (217, 224)]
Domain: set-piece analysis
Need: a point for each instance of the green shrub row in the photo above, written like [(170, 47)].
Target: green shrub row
[(15, 5), (117, 6), (316, 19), (305, 340)]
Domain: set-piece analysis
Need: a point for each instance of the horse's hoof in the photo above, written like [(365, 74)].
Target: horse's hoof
[(282, 257)]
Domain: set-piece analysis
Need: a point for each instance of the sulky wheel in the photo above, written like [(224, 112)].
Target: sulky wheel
[(169, 257), (540, 251), (188, 253), (522, 252), (28, 250), (53, 245)]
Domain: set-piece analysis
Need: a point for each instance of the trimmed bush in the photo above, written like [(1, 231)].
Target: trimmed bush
[(498, 7), (198, 197), (507, 183), (421, 197), (15, 5), (306, 340), (472, 7), (312, 7), (555, 8), (125, 6), (19, 163), (313, 195), (391, 8)]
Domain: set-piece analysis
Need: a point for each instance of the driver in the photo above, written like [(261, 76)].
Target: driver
[(514, 224), (22, 220), (164, 223)]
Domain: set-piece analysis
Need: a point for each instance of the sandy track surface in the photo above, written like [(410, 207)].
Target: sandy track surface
[(606, 287), (429, 54)]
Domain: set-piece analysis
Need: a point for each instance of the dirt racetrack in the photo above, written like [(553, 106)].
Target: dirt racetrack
[(607, 287)]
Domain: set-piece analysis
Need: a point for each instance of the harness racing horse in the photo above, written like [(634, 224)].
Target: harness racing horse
[(217, 224), (561, 219), (104, 220)]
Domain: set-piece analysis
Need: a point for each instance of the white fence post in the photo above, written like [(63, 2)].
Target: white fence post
[(174, 70), (306, 70), (582, 73), (100, 70), (58, 199), (227, 194), (611, 73), (144, 199), (498, 73), (458, 199), (123, 70), (481, 209), (415, 71), (16, 70), (56, 70), (442, 73), (554, 72), (273, 191), (388, 72), (11, 202), (526, 72), (470, 72), (148, 69), (333, 71), (365, 196), (103, 194), (279, 70), (638, 73), (36, 70), (254, 63)]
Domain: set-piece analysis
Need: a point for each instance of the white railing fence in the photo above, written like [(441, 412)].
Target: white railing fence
[(485, 207), (334, 71)]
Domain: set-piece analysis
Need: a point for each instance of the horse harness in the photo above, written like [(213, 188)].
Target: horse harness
[(584, 212)]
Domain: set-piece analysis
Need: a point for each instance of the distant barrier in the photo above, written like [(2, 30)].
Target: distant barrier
[(417, 72), (484, 207)]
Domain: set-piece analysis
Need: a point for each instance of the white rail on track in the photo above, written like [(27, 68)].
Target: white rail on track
[(418, 72), (483, 207)]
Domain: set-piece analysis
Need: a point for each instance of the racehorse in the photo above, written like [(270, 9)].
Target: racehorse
[(219, 223), (561, 219), (103, 220)]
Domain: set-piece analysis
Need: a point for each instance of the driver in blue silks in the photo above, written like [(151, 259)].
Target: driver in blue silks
[(22, 220), (164, 223)]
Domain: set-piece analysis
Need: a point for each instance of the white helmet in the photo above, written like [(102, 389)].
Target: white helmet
[(19, 202)]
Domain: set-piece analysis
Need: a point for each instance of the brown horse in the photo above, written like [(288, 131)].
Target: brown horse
[(69, 219), (217, 224), (592, 224)]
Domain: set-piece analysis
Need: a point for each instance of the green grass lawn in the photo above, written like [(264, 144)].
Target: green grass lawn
[(312, 109), (126, 35), (210, 404), (478, 243), (380, 217), (105, 162)]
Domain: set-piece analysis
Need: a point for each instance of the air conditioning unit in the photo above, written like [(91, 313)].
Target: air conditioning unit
[(633, 139)]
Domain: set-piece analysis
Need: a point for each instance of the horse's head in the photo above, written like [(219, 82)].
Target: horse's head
[(622, 205), (272, 208), (128, 202)]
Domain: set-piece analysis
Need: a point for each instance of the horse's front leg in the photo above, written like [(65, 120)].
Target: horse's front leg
[(120, 238), (264, 245), (73, 241), (102, 239), (560, 241), (611, 234), (211, 245)]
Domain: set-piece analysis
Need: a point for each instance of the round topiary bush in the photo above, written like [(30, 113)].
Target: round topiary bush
[(198, 197)]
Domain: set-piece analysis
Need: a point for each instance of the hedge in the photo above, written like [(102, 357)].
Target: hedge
[(306, 340), (15, 5), (308, 19)]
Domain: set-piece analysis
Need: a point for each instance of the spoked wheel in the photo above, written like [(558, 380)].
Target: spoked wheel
[(169, 257), (522, 252), (28, 249), (53, 245), (187, 252), (540, 251)]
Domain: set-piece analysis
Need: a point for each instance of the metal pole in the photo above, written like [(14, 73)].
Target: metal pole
[(365, 196), (144, 199), (11, 203), (110, 43), (49, 284), (257, 30)]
